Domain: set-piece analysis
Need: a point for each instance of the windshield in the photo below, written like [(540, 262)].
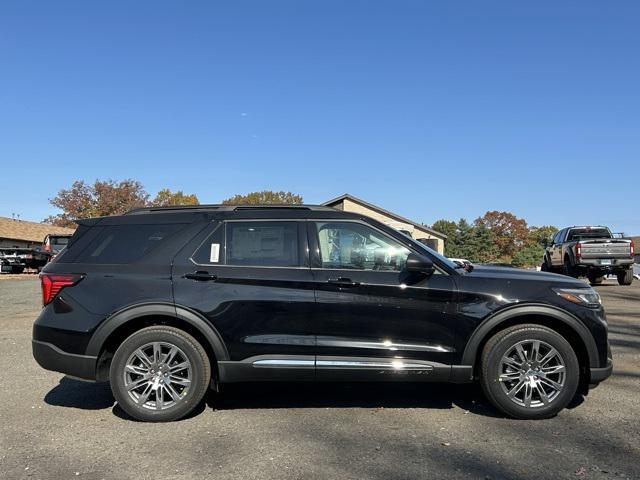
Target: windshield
[(577, 233)]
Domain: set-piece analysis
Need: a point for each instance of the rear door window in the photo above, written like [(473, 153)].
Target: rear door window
[(262, 244), (118, 244)]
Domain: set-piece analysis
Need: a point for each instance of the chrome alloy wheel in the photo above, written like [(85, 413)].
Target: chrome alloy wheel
[(532, 373), (157, 375)]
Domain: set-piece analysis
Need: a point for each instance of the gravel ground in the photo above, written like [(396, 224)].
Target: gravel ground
[(55, 427)]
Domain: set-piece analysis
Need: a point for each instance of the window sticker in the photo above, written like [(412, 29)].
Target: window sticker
[(214, 255)]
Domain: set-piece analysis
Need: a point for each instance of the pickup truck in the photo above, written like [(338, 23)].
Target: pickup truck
[(592, 252)]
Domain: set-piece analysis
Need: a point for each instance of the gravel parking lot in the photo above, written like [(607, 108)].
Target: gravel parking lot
[(55, 427)]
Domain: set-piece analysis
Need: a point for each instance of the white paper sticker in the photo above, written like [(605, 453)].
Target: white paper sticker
[(215, 253)]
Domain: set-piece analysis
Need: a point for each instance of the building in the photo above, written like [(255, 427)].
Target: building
[(22, 234), (349, 203)]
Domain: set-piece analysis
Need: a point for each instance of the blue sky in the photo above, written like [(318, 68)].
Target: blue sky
[(433, 109)]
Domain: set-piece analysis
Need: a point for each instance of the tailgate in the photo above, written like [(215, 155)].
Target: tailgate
[(614, 248)]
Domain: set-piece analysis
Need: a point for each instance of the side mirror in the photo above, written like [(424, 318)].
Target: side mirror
[(420, 264)]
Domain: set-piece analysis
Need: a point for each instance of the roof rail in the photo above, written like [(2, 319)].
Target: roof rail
[(222, 208)]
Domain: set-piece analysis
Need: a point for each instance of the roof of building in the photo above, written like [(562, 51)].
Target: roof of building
[(381, 210), (29, 231)]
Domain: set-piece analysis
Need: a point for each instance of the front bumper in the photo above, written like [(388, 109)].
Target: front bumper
[(51, 357), (600, 374)]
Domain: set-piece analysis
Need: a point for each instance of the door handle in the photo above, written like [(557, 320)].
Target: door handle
[(343, 282), (201, 276)]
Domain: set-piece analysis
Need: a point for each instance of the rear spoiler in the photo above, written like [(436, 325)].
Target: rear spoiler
[(88, 222)]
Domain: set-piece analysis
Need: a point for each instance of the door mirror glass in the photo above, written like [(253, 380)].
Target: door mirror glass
[(419, 264)]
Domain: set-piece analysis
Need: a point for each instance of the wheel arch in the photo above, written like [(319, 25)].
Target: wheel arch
[(576, 333), (110, 334)]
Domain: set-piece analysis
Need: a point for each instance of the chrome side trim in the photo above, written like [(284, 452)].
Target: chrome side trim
[(283, 362), (375, 364), (380, 344), (346, 342)]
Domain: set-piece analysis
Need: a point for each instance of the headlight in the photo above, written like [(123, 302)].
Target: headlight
[(586, 297)]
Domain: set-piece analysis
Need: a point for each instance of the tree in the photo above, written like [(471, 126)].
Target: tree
[(103, 198), (528, 256), (265, 197), (541, 235), (448, 228), (509, 232), (483, 245), (166, 197)]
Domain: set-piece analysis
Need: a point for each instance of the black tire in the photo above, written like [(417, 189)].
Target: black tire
[(568, 269), (625, 277), (594, 278), (496, 390), (198, 374), (545, 266)]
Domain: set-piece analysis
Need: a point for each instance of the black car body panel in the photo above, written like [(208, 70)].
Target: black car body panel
[(297, 318)]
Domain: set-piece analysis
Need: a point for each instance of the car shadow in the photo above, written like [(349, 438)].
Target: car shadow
[(72, 393)]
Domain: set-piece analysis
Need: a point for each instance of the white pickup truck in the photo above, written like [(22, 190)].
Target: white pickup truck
[(592, 252)]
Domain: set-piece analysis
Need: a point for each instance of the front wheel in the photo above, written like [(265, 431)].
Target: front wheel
[(625, 277), (159, 374), (529, 372)]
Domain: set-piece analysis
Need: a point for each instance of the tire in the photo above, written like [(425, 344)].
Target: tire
[(177, 384), (545, 265), (625, 277), (595, 279), (504, 345), (568, 269)]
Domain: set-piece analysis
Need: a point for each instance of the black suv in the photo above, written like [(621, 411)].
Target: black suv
[(167, 302)]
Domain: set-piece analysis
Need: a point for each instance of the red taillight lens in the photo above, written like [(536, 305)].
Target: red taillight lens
[(52, 283), (631, 249), (578, 249)]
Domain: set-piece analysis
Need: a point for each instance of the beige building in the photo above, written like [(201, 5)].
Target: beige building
[(349, 203), (22, 234)]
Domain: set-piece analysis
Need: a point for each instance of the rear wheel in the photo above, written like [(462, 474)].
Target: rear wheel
[(529, 372), (595, 278), (568, 269), (159, 374), (625, 277)]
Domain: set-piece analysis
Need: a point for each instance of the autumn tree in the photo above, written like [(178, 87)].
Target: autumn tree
[(103, 197), (166, 198), (265, 197), (509, 232)]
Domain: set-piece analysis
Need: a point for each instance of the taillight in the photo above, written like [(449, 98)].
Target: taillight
[(578, 249), (52, 283), (631, 248)]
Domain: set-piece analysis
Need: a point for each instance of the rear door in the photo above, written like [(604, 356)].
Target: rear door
[(374, 320), (251, 280)]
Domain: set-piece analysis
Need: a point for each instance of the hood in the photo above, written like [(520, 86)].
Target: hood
[(509, 273)]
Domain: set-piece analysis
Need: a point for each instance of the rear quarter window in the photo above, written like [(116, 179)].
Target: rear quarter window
[(117, 244)]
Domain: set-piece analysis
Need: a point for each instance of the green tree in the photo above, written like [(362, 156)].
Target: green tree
[(448, 228), (166, 198), (265, 197), (483, 245), (540, 235), (102, 198), (528, 256)]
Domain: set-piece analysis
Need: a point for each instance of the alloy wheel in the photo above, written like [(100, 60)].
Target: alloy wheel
[(532, 373), (157, 375)]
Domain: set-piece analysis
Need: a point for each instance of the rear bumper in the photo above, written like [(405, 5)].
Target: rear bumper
[(51, 357), (596, 262), (600, 374)]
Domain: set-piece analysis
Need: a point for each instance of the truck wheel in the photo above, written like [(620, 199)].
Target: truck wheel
[(625, 277), (159, 374), (595, 279), (529, 371), (568, 269)]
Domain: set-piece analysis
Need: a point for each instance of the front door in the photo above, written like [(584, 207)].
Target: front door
[(373, 319), (251, 281)]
